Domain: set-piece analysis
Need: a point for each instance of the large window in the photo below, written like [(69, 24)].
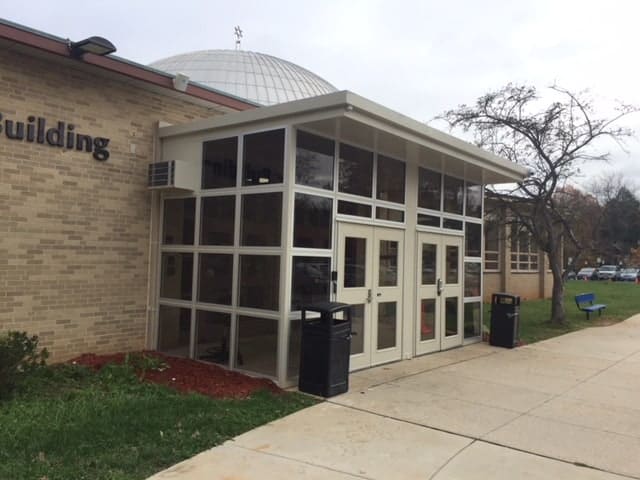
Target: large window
[(263, 158), (220, 163), (257, 344), (215, 278), (314, 161), (492, 229), (453, 195), (390, 180), (473, 200), (312, 221), (174, 330), (472, 239), (310, 281), (429, 189), (217, 220), (261, 219), (356, 171), (259, 281), (213, 337), (176, 277), (524, 253), (179, 221)]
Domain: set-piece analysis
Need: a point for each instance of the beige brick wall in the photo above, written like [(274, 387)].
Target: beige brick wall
[(74, 232)]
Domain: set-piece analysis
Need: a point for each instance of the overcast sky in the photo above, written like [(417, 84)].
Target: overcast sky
[(416, 57)]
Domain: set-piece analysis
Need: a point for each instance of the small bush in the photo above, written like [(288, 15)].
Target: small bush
[(19, 355), (142, 363)]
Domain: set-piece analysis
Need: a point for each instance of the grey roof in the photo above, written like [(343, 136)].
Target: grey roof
[(257, 77)]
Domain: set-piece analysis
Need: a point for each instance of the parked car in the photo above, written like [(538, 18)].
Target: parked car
[(608, 272), (587, 273), (570, 275), (629, 274)]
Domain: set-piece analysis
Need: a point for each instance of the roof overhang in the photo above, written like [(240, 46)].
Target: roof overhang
[(369, 124)]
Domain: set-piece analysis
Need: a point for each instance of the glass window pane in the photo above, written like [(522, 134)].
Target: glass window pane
[(259, 281), (263, 158), (491, 235), (213, 334), (472, 279), (179, 221), (310, 281), (355, 173), (389, 214), (472, 239), (215, 278), (453, 194), (452, 265), (427, 319), (387, 319), (257, 345), (295, 341), (220, 163), (452, 224), (357, 329), (388, 264), (429, 253), (261, 219), (428, 220), (352, 208), (217, 220), (472, 326), (474, 200), (390, 180), (451, 316), (355, 254), (314, 161), (174, 330), (429, 189), (176, 276), (313, 218)]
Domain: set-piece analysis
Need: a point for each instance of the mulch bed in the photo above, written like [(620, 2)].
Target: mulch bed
[(186, 375)]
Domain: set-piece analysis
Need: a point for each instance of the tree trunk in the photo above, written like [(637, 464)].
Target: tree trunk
[(558, 314)]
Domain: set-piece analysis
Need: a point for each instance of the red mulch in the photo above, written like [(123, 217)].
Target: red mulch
[(186, 375)]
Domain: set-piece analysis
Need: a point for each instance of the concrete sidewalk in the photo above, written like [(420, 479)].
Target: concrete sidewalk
[(568, 407)]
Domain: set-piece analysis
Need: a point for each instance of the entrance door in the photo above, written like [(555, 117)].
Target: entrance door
[(370, 278), (439, 319)]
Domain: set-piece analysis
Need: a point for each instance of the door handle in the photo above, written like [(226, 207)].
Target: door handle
[(369, 297), (439, 287)]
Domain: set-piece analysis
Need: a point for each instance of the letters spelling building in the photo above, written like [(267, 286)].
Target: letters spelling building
[(141, 210)]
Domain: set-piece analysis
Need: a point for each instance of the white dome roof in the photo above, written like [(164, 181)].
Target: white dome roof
[(256, 77)]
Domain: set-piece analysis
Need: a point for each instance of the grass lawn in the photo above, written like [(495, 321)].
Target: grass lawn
[(622, 300), (70, 423)]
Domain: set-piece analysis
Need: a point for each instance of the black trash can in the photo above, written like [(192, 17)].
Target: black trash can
[(505, 320), (325, 349)]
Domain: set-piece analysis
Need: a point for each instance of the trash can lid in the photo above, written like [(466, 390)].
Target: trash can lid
[(326, 307)]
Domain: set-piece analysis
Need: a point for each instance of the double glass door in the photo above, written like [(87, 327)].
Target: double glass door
[(439, 319), (370, 278)]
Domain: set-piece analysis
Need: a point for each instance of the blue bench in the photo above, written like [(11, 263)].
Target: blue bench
[(584, 301)]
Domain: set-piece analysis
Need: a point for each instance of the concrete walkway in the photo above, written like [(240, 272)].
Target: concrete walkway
[(565, 408)]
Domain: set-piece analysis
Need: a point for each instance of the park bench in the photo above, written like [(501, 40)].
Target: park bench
[(584, 301)]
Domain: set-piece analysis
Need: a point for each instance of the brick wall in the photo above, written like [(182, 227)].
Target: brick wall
[(74, 232)]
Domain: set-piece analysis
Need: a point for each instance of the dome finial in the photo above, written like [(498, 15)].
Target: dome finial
[(238, 34)]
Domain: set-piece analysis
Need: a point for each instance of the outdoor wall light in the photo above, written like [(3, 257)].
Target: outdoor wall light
[(95, 45)]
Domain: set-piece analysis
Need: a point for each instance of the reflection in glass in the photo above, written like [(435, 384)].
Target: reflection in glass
[(453, 194), (353, 208), (472, 319), (312, 221), (451, 316), (357, 329), (474, 200), (451, 273), (310, 281), (388, 264), (179, 221), (314, 161), (259, 281), (386, 325), (355, 171), (261, 218), (452, 224), (295, 341), (220, 163), (429, 253), (215, 278), (257, 345), (472, 239), (429, 189), (389, 214), (263, 158), (427, 319), (174, 330), (217, 220), (428, 220), (213, 334), (390, 183), (176, 275), (472, 279), (355, 253)]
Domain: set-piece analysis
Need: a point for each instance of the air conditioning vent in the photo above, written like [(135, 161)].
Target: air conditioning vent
[(173, 174)]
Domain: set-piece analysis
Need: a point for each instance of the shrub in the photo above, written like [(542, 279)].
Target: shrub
[(19, 355), (142, 363)]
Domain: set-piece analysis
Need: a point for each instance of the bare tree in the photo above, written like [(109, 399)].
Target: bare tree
[(552, 141)]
